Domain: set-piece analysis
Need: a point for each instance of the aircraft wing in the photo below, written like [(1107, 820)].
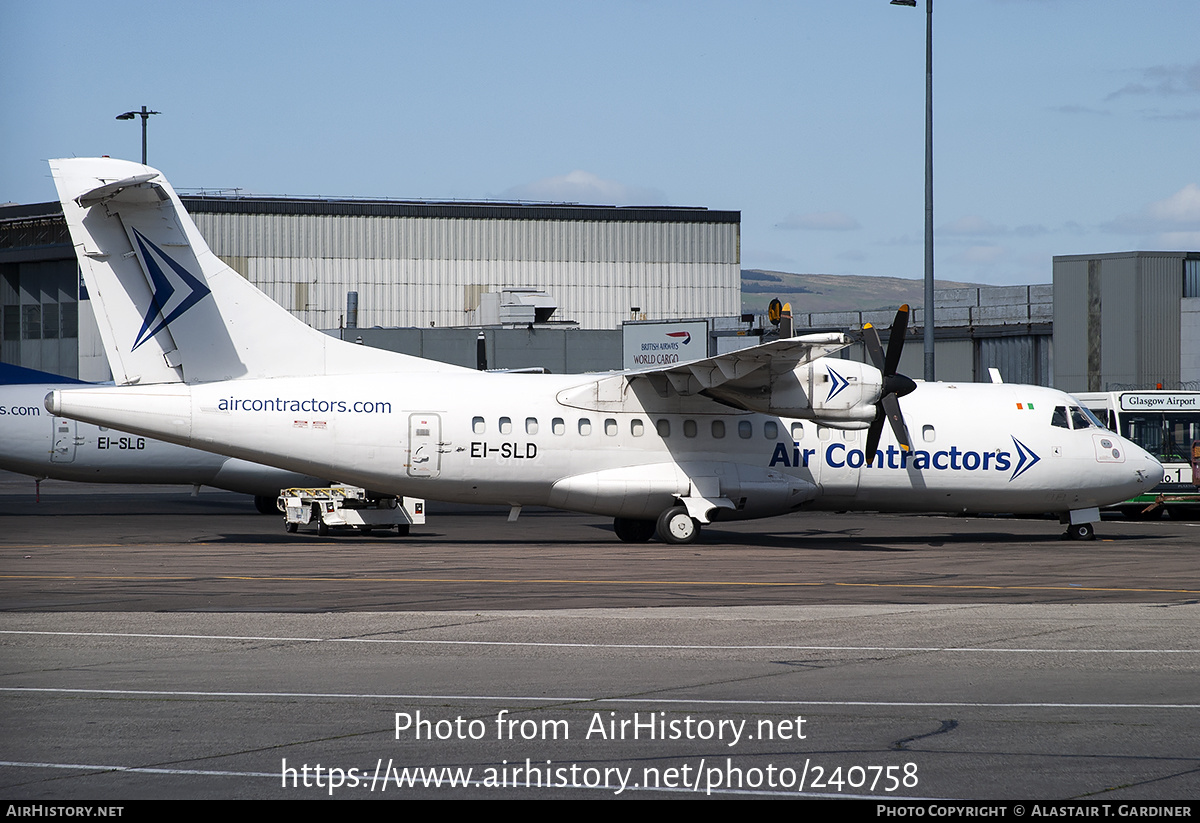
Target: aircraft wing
[(748, 369)]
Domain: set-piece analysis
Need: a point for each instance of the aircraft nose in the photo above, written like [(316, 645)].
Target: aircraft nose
[(1147, 471)]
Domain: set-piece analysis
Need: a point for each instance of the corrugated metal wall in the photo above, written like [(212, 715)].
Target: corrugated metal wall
[(1116, 320), (430, 270)]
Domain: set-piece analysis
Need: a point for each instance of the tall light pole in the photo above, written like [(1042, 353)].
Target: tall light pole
[(928, 181), (145, 115)]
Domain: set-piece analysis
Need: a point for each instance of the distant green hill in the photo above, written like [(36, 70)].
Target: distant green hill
[(833, 292)]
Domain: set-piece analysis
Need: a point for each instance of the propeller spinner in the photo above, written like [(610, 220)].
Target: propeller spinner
[(894, 386)]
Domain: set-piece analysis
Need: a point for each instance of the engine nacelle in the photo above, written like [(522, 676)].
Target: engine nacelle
[(842, 393)]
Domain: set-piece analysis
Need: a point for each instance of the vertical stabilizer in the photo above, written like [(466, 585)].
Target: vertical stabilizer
[(168, 309)]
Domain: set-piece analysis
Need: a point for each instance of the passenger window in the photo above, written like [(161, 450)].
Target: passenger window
[(636, 427), (745, 429), (771, 430), (505, 425), (585, 426), (531, 425), (610, 427), (689, 428), (797, 431), (824, 433), (664, 428), (477, 425), (558, 426), (1059, 418), (928, 434), (718, 429)]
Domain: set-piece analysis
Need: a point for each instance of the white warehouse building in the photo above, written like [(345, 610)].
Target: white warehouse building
[(428, 264)]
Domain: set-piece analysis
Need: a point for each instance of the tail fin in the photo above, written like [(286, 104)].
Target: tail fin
[(168, 309)]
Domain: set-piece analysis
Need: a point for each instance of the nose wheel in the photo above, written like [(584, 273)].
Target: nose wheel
[(1080, 531)]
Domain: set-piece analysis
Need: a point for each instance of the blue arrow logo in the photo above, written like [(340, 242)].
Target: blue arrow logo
[(838, 382), (1026, 459), (164, 289)]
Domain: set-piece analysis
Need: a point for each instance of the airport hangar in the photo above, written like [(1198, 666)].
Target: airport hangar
[(554, 285)]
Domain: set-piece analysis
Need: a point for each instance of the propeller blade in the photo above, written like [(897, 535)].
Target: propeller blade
[(873, 434), (891, 406), (874, 348), (896, 341), (893, 387)]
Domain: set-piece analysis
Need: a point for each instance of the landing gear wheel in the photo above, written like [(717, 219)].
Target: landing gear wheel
[(1081, 531), (633, 531), (290, 528), (677, 526)]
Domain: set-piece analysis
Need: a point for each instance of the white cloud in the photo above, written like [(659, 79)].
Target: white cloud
[(819, 221), (584, 187), (1178, 212), (1182, 207)]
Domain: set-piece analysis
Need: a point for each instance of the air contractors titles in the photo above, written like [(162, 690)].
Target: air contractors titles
[(839, 455)]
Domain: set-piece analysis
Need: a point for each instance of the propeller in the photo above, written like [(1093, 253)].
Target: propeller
[(894, 386)]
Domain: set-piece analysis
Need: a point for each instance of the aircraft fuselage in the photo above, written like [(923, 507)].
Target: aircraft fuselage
[(615, 446)]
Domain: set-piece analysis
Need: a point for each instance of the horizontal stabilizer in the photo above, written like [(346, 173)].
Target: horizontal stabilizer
[(111, 191)]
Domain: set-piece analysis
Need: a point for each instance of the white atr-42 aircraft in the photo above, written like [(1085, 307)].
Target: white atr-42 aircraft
[(203, 359)]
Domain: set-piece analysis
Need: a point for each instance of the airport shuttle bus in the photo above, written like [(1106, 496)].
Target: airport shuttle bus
[(1167, 425)]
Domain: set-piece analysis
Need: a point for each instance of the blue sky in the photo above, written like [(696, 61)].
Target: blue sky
[(1060, 126)]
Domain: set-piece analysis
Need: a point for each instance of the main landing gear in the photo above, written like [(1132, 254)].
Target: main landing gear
[(674, 526), (633, 531)]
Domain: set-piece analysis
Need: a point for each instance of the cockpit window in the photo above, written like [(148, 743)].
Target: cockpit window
[(1081, 419), (1095, 420), (1059, 418)]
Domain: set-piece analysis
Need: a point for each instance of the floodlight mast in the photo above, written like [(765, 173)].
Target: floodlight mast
[(145, 115)]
